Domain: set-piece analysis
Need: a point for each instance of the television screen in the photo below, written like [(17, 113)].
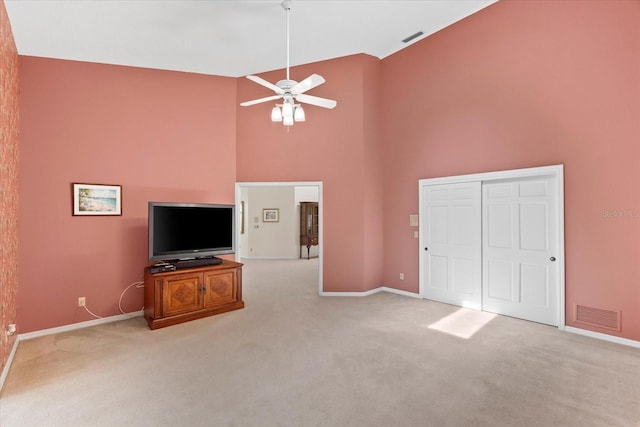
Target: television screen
[(190, 230)]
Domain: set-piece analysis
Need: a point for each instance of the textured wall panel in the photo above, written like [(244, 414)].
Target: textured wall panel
[(8, 183)]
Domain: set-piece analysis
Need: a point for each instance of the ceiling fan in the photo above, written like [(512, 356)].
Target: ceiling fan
[(290, 91)]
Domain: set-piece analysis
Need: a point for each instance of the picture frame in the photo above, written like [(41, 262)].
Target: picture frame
[(96, 199), (270, 215)]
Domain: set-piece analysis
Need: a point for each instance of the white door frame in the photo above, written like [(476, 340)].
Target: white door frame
[(556, 171), (317, 184)]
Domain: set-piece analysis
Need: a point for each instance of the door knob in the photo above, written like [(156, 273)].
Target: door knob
[(552, 258), (426, 249)]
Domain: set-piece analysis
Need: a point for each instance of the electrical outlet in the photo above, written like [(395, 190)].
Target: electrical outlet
[(82, 301), (401, 276)]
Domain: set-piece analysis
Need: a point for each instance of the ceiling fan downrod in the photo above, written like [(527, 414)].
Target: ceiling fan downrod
[(286, 5), (289, 90)]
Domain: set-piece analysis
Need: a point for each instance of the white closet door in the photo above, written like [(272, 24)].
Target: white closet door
[(520, 272), (452, 244)]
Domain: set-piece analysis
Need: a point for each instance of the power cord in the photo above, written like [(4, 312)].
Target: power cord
[(136, 284), (91, 312)]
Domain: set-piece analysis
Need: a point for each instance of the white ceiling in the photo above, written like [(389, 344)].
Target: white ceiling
[(226, 38)]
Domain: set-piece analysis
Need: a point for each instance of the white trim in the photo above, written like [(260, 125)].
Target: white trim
[(557, 171), (371, 292), (74, 326), (400, 292), (561, 265), (491, 176), (604, 337), (7, 366), (351, 294), (317, 184)]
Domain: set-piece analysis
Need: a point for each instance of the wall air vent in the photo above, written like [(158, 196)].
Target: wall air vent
[(413, 36), (608, 319)]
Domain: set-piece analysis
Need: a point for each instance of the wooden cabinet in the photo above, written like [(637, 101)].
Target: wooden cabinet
[(183, 295), (309, 225)]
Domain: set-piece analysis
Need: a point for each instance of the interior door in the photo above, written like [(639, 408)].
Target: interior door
[(520, 272), (452, 244)]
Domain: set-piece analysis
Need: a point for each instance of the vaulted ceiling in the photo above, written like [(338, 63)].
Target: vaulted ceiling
[(226, 38)]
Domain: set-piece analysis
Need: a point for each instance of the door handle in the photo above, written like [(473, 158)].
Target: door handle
[(426, 249), (552, 258)]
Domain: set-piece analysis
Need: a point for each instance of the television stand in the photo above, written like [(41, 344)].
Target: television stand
[(196, 262), (174, 297)]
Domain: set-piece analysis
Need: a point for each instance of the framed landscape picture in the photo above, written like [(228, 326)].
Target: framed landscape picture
[(270, 215), (97, 199)]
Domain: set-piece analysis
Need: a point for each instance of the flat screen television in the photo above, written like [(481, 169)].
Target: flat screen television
[(184, 231)]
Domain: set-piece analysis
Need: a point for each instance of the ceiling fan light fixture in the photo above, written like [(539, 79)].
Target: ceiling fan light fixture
[(290, 91), (287, 110), (276, 114)]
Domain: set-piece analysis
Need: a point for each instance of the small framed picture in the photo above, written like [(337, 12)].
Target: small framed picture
[(270, 215), (97, 199)]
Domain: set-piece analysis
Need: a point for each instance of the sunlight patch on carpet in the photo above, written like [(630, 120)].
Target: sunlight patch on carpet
[(463, 323)]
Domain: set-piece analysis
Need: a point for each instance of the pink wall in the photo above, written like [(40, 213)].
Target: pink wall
[(332, 146), (373, 175), (163, 136), (518, 84), (524, 84), (9, 122)]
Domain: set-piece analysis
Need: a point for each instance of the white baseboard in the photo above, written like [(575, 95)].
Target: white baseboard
[(399, 292), (351, 294), (604, 337), (74, 326), (7, 366), (371, 292)]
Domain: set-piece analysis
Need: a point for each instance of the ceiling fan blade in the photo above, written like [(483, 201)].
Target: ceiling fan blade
[(314, 100), (258, 101), (307, 84), (265, 83)]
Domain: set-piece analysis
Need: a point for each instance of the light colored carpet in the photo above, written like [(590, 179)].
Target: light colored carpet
[(292, 358)]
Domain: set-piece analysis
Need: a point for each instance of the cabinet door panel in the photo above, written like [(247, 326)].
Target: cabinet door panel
[(181, 294), (220, 288)]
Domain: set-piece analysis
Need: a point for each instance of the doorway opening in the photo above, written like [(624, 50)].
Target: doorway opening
[(270, 210)]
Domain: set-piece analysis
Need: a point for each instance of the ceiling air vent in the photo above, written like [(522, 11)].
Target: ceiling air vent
[(608, 319), (413, 36)]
